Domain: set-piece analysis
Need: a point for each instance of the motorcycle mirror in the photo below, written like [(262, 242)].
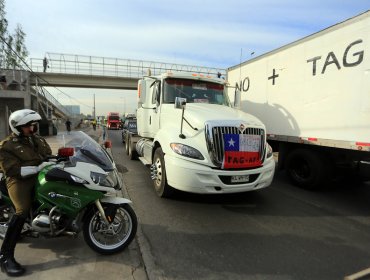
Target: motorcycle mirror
[(108, 144), (66, 152)]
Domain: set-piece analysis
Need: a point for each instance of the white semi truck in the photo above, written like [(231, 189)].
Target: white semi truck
[(313, 95), (195, 141)]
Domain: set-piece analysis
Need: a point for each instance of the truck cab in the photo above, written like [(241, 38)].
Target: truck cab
[(113, 120), (195, 140)]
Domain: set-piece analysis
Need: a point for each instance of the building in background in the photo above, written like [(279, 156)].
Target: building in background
[(74, 109)]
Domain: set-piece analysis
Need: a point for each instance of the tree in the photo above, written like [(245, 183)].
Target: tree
[(13, 50), (19, 47), (3, 34), (9, 57)]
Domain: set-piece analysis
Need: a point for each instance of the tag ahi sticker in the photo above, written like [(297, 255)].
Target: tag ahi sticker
[(241, 151)]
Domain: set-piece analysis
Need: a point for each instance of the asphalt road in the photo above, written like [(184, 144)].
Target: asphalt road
[(280, 232)]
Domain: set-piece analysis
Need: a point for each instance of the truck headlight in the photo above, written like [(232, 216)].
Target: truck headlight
[(186, 151), (268, 151)]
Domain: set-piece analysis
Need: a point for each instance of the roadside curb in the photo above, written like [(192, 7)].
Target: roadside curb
[(146, 254), (143, 244)]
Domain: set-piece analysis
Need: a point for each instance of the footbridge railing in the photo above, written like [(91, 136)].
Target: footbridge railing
[(114, 67)]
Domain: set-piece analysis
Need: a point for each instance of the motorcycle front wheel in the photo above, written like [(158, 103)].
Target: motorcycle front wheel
[(113, 238), (6, 213)]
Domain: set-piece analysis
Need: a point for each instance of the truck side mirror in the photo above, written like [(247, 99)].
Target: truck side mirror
[(180, 103), (157, 98), (237, 99), (157, 93)]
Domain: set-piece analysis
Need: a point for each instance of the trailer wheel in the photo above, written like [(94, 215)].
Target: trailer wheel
[(159, 173), (307, 169)]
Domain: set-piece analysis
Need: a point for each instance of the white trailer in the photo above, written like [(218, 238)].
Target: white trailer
[(313, 95), (195, 141)]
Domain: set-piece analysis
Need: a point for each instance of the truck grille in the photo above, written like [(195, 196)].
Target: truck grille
[(215, 142)]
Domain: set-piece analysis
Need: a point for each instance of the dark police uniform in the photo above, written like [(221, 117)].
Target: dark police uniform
[(15, 152)]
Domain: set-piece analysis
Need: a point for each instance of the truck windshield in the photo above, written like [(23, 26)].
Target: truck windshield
[(114, 118), (194, 91)]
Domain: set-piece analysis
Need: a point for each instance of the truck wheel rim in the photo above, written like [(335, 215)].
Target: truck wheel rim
[(158, 179)]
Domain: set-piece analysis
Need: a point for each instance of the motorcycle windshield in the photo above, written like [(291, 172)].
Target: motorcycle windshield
[(86, 149)]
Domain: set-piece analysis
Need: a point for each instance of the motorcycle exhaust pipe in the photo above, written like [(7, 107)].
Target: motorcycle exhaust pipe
[(70, 233)]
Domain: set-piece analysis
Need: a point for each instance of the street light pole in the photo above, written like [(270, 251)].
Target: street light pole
[(124, 105), (94, 108)]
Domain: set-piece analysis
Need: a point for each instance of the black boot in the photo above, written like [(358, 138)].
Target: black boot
[(8, 264)]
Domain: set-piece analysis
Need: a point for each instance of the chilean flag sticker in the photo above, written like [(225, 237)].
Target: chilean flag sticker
[(241, 151)]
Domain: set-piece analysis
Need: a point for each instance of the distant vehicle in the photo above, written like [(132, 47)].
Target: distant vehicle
[(129, 131), (313, 97), (129, 126), (130, 116), (113, 120)]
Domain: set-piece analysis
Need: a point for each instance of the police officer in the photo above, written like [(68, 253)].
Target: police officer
[(21, 157)]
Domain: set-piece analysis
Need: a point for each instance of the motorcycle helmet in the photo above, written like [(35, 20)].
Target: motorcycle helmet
[(22, 118)]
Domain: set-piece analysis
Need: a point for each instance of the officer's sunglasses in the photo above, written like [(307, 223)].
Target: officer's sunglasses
[(30, 124)]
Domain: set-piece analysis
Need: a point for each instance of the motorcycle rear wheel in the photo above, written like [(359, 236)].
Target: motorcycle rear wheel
[(115, 238)]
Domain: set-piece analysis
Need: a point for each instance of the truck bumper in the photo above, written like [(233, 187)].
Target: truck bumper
[(196, 178)]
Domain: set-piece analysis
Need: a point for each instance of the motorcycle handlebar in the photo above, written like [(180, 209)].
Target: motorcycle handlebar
[(63, 154), (56, 158)]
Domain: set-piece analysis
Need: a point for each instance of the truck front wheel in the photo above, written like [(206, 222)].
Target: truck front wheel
[(307, 168), (159, 175)]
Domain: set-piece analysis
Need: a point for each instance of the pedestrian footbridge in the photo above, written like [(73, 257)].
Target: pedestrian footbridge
[(65, 70)]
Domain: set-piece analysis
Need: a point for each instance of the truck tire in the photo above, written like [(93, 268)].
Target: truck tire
[(126, 144), (160, 181), (131, 150), (307, 169)]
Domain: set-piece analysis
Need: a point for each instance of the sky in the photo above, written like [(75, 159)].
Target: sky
[(204, 33)]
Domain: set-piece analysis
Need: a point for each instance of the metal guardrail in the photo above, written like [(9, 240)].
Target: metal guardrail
[(114, 67), (13, 79), (17, 80)]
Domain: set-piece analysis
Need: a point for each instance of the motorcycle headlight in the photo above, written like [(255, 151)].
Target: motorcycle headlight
[(78, 179), (101, 179), (268, 151), (186, 151)]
